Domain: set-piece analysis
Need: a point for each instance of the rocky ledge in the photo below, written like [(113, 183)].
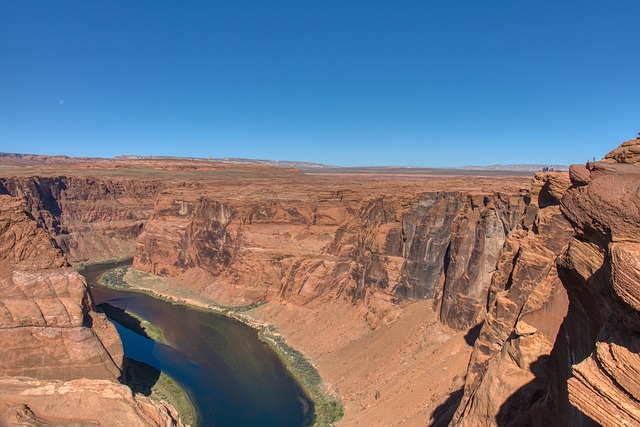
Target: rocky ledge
[(61, 360), (560, 343)]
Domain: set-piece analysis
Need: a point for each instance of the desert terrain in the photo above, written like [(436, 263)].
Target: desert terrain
[(420, 298)]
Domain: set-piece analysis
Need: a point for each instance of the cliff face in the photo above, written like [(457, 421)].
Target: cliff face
[(549, 275), (245, 234), (90, 219), (57, 351), (526, 305), (575, 252), (46, 309), (376, 251), (601, 340), (240, 234)]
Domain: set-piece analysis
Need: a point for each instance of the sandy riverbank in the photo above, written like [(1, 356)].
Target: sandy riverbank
[(394, 374), (328, 408)]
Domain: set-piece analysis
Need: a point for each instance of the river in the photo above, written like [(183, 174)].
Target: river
[(231, 377)]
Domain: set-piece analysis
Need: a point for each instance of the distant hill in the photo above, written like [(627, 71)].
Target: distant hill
[(517, 167), (310, 167)]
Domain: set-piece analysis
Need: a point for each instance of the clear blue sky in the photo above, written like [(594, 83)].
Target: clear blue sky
[(431, 83)]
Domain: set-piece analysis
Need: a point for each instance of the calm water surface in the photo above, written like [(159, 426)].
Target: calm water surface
[(232, 378)]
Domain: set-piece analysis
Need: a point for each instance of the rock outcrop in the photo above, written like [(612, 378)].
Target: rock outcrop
[(602, 276), (526, 304), (628, 152), (242, 233), (90, 218), (24, 245), (377, 251), (575, 252), (37, 403), (57, 351), (45, 308), (548, 274)]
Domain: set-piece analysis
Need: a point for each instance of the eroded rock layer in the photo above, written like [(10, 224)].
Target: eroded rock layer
[(575, 252), (605, 287), (61, 360), (526, 305), (371, 244), (328, 244), (80, 402), (90, 218), (548, 271)]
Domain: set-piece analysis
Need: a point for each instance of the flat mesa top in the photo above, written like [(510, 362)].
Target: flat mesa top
[(239, 179)]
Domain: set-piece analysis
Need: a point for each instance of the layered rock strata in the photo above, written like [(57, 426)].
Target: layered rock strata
[(90, 218), (57, 351), (526, 305), (377, 251), (602, 275), (247, 233), (575, 252)]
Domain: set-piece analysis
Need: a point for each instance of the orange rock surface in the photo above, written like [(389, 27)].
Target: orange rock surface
[(421, 298), (61, 360), (560, 344)]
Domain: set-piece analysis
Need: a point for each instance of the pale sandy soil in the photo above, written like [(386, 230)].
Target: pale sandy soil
[(410, 365)]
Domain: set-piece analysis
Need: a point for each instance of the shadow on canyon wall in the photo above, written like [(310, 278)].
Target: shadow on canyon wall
[(473, 334), (139, 376), (443, 414), (519, 408)]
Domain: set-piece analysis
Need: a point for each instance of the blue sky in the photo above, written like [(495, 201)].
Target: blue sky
[(424, 83)]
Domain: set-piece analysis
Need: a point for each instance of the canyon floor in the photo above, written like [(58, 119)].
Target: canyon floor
[(395, 374)]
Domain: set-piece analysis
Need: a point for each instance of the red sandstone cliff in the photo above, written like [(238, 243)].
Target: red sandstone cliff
[(57, 351), (377, 251), (368, 244), (90, 218), (532, 364), (550, 274), (247, 233)]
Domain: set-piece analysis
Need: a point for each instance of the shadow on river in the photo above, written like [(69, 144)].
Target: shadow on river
[(231, 377)]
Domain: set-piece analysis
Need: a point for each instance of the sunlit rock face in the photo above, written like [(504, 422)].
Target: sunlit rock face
[(29, 402), (578, 254), (46, 319), (604, 286), (547, 270), (247, 233), (526, 304), (378, 252), (61, 360), (90, 218)]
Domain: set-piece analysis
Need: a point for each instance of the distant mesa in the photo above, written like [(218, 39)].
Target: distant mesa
[(310, 167), (519, 167)]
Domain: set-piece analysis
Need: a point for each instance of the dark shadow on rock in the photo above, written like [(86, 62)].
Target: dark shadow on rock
[(473, 334), (125, 319), (444, 412), (526, 406), (139, 376)]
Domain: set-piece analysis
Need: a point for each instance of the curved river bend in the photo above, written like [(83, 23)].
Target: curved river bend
[(231, 377)]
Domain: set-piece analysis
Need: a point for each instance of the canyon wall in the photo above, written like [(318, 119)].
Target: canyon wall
[(90, 218), (543, 274), (302, 240), (559, 345), (377, 251), (61, 359), (241, 235)]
